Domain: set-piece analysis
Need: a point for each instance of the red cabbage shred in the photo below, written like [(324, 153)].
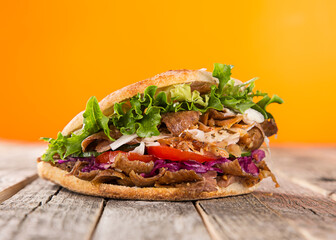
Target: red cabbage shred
[(246, 163)]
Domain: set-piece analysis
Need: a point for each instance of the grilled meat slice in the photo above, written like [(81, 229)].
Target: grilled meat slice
[(177, 122)]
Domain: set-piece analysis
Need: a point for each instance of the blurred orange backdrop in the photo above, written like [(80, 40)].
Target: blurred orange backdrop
[(54, 55)]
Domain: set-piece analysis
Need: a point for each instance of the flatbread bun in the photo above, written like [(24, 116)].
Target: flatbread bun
[(63, 178), (162, 80)]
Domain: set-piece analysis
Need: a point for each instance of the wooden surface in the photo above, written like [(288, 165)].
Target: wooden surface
[(303, 207)]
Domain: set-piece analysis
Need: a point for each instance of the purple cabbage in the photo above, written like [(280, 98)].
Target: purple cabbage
[(218, 161), (92, 164), (246, 163), (248, 166), (199, 167), (188, 165), (160, 163), (258, 155)]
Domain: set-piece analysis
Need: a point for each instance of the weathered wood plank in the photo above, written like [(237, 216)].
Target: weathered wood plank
[(314, 169), (15, 210), (45, 211), (13, 181), (244, 217), (18, 167), (312, 214), (150, 220), (66, 216)]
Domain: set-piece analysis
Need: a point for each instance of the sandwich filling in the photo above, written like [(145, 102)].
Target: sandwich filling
[(194, 135)]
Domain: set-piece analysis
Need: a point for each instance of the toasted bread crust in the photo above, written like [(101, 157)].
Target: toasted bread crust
[(63, 178), (161, 80)]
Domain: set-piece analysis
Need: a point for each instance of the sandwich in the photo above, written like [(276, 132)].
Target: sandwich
[(180, 135)]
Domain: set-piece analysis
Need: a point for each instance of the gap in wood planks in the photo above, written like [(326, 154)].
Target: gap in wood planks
[(100, 213), (15, 187), (207, 223)]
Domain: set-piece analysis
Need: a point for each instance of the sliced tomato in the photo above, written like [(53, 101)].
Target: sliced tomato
[(173, 154), (135, 156), (108, 157)]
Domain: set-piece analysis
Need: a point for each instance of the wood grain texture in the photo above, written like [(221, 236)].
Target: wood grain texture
[(66, 216), (150, 220), (313, 215), (45, 211), (13, 181), (17, 167), (314, 169), (15, 210), (244, 217)]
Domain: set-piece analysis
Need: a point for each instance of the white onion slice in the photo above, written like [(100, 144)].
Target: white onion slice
[(254, 115), (122, 140), (152, 144), (154, 138), (140, 149)]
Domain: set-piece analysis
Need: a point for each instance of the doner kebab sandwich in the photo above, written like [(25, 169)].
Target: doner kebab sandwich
[(180, 135)]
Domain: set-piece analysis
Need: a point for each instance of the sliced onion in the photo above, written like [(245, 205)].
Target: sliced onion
[(140, 149), (151, 141), (154, 138), (253, 115), (229, 113), (152, 144), (122, 140)]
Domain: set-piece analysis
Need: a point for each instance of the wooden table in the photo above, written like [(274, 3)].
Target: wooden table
[(302, 208)]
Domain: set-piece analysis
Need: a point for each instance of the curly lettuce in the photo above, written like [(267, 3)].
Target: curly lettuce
[(142, 113), (64, 146), (239, 97)]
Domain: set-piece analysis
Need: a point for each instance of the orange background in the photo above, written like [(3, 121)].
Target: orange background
[(54, 55)]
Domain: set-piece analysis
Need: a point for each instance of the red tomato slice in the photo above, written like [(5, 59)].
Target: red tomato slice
[(108, 157), (173, 154), (135, 156)]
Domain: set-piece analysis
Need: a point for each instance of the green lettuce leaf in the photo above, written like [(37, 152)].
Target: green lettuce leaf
[(181, 93), (143, 114), (239, 97), (223, 73), (147, 126), (94, 121), (56, 146), (264, 102), (144, 111)]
